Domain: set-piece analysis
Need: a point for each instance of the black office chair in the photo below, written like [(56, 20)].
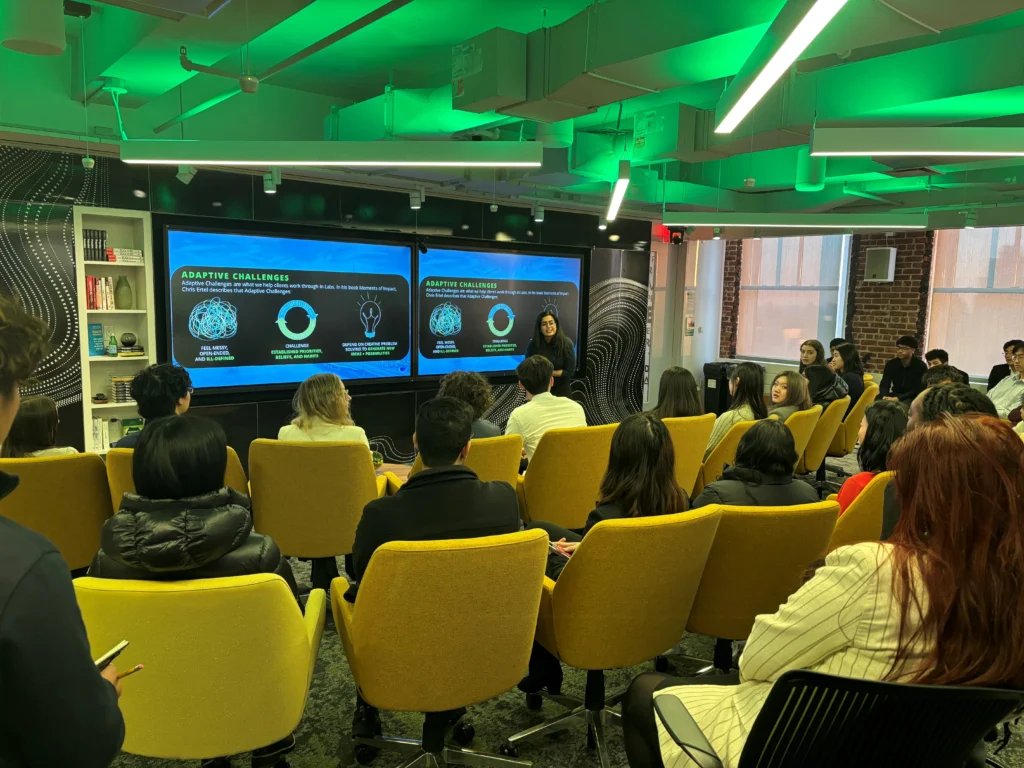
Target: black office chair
[(812, 720)]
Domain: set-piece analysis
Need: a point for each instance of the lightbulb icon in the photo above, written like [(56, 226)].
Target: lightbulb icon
[(369, 315)]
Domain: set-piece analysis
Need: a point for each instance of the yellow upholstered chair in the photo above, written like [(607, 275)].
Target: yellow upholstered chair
[(440, 625), (813, 458), (65, 498), (689, 439), (605, 612), (308, 497), (119, 474), (868, 378), (846, 436), (801, 424), (564, 476), (862, 520), (228, 660), (723, 453), (758, 559), (492, 458)]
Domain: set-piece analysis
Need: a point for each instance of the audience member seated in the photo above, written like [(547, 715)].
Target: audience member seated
[(746, 386), (812, 353), (934, 357), (474, 390), (445, 500), (763, 473), (34, 431), (883, 424), (901, 377), (550, 342), (788, 395), (159, 391), (834, 345), (825, 385), (678, 395), (59, 710), (639, 482), (1000, 372), (874, 610), (943, 374), (542, 410), (1008, 394), (847, 363), (323, 413)]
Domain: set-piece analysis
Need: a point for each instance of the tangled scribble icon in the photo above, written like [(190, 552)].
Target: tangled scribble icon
[(213, 320), (446, 320)]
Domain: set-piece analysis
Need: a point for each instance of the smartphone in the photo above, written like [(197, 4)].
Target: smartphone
[(104, 661), (556, 550)]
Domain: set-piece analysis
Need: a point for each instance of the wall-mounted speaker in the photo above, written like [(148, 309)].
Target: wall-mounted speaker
[(879, 265)]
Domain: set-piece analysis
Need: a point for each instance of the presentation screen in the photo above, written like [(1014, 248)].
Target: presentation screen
[(477, 311), (250, 310)]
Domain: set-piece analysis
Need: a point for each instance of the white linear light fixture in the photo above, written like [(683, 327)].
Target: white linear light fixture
[(378, 154), (921, 142), (803, 34), (618, 191), (894, 221)]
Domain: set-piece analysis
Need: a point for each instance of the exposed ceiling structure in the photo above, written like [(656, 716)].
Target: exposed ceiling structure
[(594, 82)]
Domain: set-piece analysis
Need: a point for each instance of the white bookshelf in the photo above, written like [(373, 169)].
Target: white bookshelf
[(125, 229)]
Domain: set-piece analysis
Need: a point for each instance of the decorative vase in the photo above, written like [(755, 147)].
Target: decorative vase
[(122, 294)]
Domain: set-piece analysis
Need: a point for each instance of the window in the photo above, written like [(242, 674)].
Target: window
[(791, 289), (977, 295)]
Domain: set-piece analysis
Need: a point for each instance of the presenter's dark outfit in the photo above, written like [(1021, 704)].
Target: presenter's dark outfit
[(561, 360)]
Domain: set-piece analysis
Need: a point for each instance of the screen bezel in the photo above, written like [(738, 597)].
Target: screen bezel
[(261, 232), (583, 304)]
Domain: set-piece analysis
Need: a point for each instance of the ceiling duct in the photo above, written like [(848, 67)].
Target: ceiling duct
[(175, 10)]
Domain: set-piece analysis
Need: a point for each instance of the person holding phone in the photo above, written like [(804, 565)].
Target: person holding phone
[(56, 708)]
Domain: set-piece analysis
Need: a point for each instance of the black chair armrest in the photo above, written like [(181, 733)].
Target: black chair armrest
[(685, 732)]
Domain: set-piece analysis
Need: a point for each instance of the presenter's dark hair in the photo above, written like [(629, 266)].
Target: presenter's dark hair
[(158, 388), (469, 387), (851, 358), (749, 378), (937, 354), (641, 478), (887, 423), (181, 457), (443, 427), (34, 428), (767, 447), (23, 344), (954, 400), (560, 342), (535, 374), (677, 395), (943, 374)]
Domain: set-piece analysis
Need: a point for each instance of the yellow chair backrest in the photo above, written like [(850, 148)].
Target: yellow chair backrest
[(119, 474), (401, 655), (309, 497), (757, 561), (689, 439), (492, 458), (824, 431), (564, 477), (846, 436), (723, 453), (228, 661), (65, 498), (862, 520), (801, 424), (626, 593), (868, 378)]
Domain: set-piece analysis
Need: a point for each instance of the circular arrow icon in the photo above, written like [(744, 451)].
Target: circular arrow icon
[(282, 324), (511, 319)]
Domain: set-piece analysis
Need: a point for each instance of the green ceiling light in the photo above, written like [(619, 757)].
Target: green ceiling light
[(922, 142), (843, 221), (376, 154), (619, 192), (821, 12)]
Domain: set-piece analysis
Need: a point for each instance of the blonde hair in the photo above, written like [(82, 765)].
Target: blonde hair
[(321, 397)]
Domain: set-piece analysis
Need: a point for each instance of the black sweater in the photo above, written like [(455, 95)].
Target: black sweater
[(902, 382), (55, 709)]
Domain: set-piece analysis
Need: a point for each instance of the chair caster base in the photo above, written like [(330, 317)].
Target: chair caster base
[(463, 734), (660, 664), (508, 750), (534, 702), (365, 754)]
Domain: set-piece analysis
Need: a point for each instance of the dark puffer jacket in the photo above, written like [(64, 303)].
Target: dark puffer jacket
[(203, 537), (830, 391), (743, 487)]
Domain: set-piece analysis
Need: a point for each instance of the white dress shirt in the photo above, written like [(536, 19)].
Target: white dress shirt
[(543, 412), (1007, 394)]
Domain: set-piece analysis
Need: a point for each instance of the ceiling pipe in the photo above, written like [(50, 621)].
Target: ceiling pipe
[(349, 29)]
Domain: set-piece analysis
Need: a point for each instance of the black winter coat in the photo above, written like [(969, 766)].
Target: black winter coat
[(836, 389), (204, 537), (743, 487)]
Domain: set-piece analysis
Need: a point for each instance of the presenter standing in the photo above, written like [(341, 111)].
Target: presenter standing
[(549, 341)]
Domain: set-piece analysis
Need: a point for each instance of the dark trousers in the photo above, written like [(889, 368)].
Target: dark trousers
[(639, 729), (555, 533), (324, 570)]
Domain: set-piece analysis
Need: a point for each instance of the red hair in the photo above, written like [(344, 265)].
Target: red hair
[(960, 482)]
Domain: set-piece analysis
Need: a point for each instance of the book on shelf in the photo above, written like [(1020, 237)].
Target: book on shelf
[(99, 292), (123, 255), (121, 388), (94, 244), (135, 351), (96, 345), (132, 425)]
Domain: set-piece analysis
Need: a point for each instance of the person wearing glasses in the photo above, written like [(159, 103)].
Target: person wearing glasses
[(1008, 394), (901, 378), (159, 391)]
